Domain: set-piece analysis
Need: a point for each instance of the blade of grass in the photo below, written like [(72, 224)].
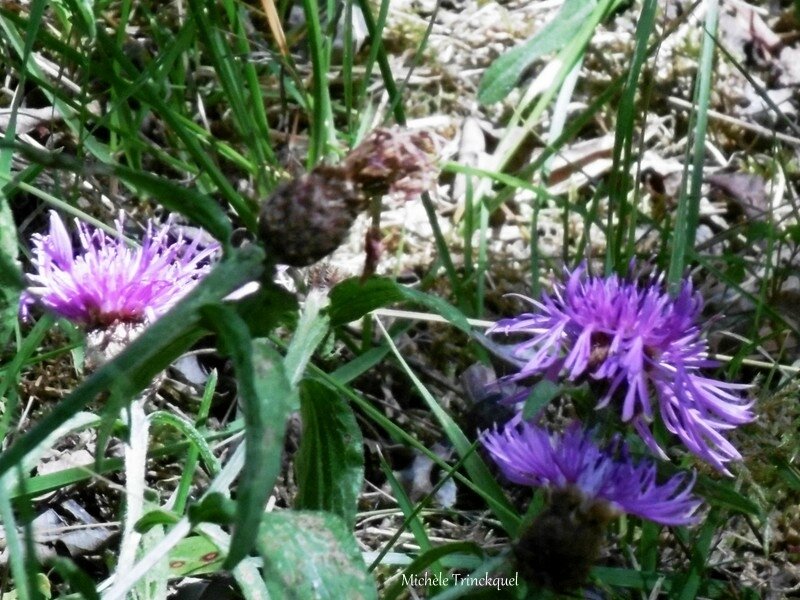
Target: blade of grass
[(322, 136), (521, 126), (411, 512), (193, 454), (267, 398), (688, 211), (498, 504), (246, 103), (378, 53), (617, 258), (8, 383)]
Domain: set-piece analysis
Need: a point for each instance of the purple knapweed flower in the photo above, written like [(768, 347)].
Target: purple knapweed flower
[(639, 340), (107, 281), (572, 462)]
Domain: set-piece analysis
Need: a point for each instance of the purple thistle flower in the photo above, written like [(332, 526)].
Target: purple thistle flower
[(638, 339), (572, 462), (107, 281)]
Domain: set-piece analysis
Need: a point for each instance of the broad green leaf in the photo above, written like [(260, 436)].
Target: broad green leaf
[(197, 207), (352, 299), (329, 465), (309, 333), (504, 73), (213, 508), (312, 555), (266, 309), (267, 399)]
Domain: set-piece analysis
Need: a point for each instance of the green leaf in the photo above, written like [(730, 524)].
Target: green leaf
[(187, 428), (476, 468), (197, 207), (11, 281), (194, 555), (237, 78), (312, 555), (722, 494), (454, 316), (309, 333), (154, 518), (267, 399), (788, 472), (330, 462), (82, 16), (269, 307), (503, 74), (540, 396), (352, 299), (213, 508)]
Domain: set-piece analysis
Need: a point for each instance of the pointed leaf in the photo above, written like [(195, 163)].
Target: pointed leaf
[(330, 463), (504, 73), (267, 398)]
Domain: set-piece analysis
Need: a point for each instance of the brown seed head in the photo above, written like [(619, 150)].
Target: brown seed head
[(307, 218)]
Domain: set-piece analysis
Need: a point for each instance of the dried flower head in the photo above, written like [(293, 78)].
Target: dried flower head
[(307, 218), (106, 281), (562, 544), (394, 161), (636, 339), (607, 481)]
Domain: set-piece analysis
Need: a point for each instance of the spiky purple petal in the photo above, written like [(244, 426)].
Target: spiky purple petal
[(639, 340), (108, 281), (529, 455)]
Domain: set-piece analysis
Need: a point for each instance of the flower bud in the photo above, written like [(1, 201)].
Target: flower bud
[(307, 218)]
